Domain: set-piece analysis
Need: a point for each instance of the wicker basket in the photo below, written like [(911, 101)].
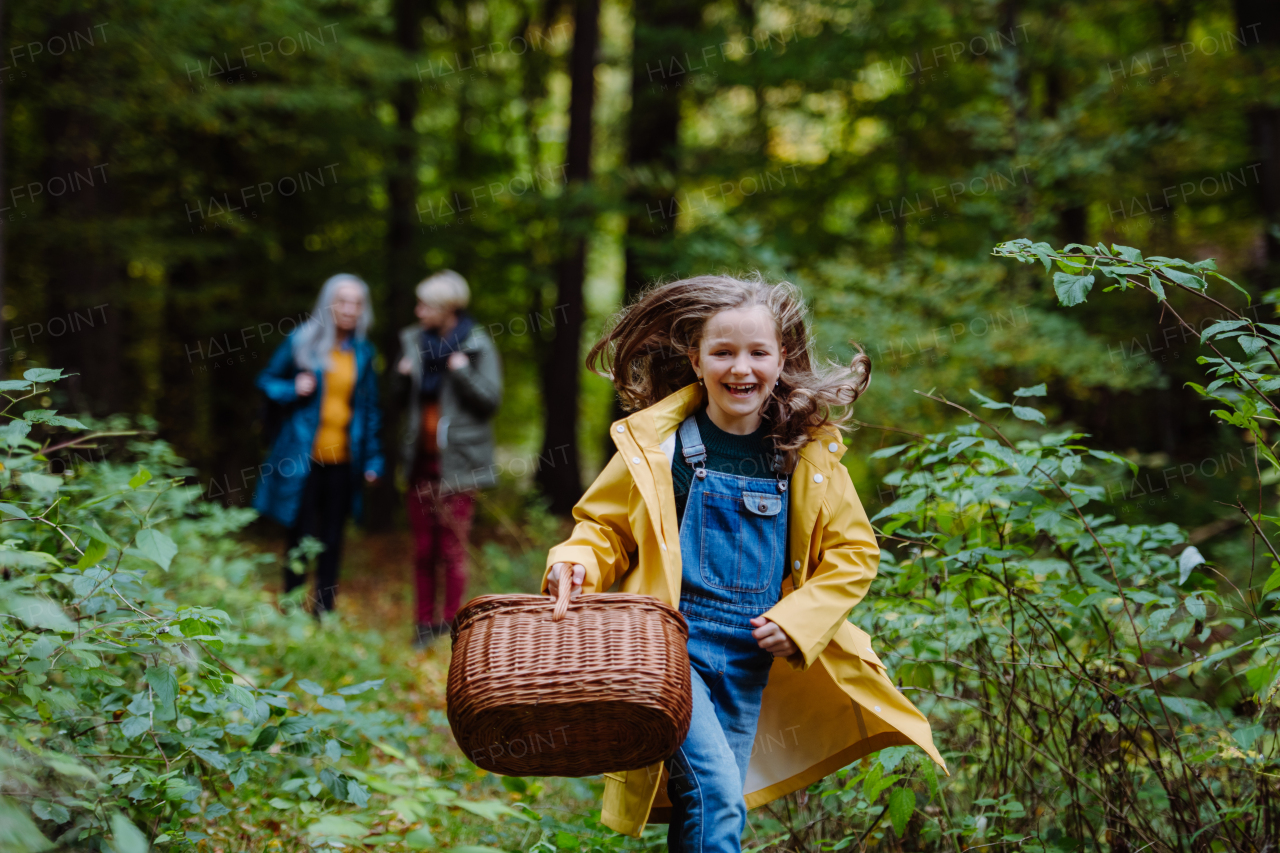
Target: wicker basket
[(557, 688)]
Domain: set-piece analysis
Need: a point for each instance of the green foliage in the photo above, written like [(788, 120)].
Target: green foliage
[(140, 666)]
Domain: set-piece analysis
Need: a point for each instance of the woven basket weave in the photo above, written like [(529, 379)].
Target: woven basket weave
[(557, 688)]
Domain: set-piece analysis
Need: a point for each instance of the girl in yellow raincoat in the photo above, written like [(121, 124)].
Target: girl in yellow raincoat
[(727, 500)]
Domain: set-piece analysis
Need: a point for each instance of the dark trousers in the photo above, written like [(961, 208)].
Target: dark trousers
[(326, 500)]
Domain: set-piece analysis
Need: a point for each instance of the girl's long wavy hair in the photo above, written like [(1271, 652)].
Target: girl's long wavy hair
[(645, 353)]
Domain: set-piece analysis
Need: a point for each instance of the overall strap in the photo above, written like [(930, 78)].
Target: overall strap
[(691, 446)]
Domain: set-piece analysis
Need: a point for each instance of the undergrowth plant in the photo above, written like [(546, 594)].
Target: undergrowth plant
[(142, 697)]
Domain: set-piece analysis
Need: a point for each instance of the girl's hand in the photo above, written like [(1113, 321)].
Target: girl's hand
[(405, 367), (773, 639), (304, 383), (575, 587)]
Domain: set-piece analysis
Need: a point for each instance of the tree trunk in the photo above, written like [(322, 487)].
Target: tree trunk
[(81, 283), (4, 361), (658, 60), (559, 472), (1259, 23), (397, 299)]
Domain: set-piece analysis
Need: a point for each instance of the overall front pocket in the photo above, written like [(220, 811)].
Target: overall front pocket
[(741, 544)]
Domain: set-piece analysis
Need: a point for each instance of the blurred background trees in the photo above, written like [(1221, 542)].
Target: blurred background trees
[(180, 179)]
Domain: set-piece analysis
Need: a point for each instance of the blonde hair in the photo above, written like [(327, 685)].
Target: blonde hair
[(446, 290), (645, 353)]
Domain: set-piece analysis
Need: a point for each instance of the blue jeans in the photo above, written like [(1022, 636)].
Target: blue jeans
[(733, 551)]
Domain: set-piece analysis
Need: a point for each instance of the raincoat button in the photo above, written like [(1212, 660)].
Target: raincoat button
[(635, 460), (620, 428), (817, 478), (796, 564), (877, 709), (664, 546), (833, 447)]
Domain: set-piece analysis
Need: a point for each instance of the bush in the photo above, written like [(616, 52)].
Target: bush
[(146, 677)]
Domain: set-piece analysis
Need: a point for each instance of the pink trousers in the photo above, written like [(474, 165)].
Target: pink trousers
[(441, 528)]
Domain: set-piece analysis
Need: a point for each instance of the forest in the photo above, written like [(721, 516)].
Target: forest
[(1054, 228)]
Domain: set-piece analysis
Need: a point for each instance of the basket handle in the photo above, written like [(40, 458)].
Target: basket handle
[(562, 595)]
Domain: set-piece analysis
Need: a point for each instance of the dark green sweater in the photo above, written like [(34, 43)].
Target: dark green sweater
[(743, 455)]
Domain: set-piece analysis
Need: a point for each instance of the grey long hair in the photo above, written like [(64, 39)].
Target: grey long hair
[(316, 337)]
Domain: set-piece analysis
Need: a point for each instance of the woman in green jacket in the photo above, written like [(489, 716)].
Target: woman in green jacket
[(455, 386)]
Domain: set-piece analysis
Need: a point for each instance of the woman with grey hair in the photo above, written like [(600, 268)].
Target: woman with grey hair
[(323, 376)]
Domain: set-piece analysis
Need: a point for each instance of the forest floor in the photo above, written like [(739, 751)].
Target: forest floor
[(375, 608)]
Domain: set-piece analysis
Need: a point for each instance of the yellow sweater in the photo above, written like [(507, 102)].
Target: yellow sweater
[(331, 445)]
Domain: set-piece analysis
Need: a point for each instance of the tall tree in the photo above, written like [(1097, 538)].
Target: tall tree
[(402, 255), (559, 472), (660, 70), (1259, 22)]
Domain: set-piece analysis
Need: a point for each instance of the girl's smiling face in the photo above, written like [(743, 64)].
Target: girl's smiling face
[(739, 361)]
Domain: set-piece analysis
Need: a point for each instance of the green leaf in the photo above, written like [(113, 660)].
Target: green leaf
[(1072, 289), (41, 482), (265, 738), (1251, 344), (156, 547), (334, 826), (1246, 736), (14, 432), (18, 833), (902, 803), (1272, 582), (310, 687), (93, 553), (886, 452), (13, 511), (931, 776), (141, 478), (1128, 253), (1221, 326), (1194, 282), (37, 612), (127, 837), (1034, 391), (1195, 607), (356, 794), (489, 809), (28, 560), (14, 385), (50, 417), (890, 757), (1028, 414), (164, 683), (1156, 287), (95, 532), (239, 694), (43, 374), (988, 403), (332, 702), (356, 689)]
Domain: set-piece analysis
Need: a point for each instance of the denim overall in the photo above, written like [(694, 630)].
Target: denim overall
[(733, 549)]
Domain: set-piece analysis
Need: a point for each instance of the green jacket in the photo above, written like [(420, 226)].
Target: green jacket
[(469, 397)]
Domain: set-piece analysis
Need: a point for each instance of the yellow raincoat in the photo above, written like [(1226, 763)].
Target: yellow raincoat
[(825, 706)]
